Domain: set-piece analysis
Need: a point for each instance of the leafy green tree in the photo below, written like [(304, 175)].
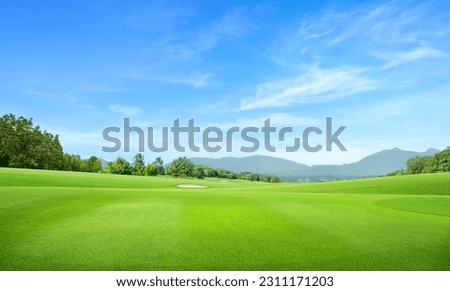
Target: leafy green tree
[(138, 164), (151, 170), (443, 160), (119, 166), (23, 145), (416, 165), (181, 167), (440, 162), (4, 161), (202, 171), (222, 173), (400, 172), (71, 162), (92, 165), (210, 172), (159, 163), (254, 177), (275, 179), (198, 172), (259, 177)]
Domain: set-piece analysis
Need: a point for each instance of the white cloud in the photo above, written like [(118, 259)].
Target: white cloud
[(188, 46), (199, 80), (233, 24), (47, 92), (393, 29), (125, 110), (195, 80), (174, 57), (352, 44), (100, 88), (283, 119), (397, 59), (315, 86), (276, 119)]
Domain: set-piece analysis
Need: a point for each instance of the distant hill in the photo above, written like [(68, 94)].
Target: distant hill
[(255, 164), (377, 164)]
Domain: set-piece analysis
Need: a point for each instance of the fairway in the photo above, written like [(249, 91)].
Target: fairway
[(53, 220)]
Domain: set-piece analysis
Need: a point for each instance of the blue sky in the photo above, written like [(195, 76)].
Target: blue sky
[(380, 68)]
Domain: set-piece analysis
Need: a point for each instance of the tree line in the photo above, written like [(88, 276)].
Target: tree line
[(438, 163), (180, 167), (24, 145)]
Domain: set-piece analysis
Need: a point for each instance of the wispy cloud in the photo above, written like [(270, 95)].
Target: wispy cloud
[(125, 110), (279, 119), (101, 88), (187, 46), (353, 44), (179, 56), (397, 59), (403, 32), (233, 24), (315, 86), (196, 80), (66, 96)]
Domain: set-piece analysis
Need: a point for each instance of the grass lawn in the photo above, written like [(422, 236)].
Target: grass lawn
[(76, 221)]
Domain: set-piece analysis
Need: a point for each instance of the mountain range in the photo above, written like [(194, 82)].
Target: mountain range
[(380, 163)]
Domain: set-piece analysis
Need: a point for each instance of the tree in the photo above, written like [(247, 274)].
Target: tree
[(71, 163), (138, 164), (440, 162), (151, 170), (92, 165), (159, 163), (221, 173), (275, 179), (181, 167), (119, 166), (400, 172), (23, 145), (198, 172), (210, 172), (416, 165), (443, 160), (202, 171)]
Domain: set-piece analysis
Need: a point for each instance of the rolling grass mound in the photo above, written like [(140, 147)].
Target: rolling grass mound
[(53, 220)]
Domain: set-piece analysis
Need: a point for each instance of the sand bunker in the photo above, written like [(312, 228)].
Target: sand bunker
[(191, 186)]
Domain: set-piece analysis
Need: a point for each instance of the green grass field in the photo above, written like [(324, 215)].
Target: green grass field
[(77, 221)]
